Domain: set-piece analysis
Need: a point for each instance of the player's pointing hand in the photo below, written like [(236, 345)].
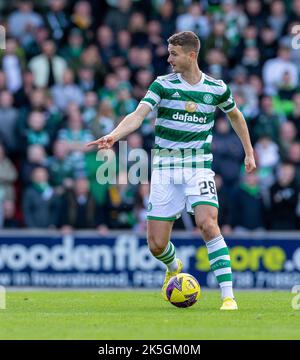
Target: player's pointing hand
[(250, 163), (105, 142)]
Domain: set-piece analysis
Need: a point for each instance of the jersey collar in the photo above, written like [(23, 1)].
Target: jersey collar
[(190, 85)]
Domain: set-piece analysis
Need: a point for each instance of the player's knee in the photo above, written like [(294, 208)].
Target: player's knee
[(156, 246), (156, 249), (207, 226)]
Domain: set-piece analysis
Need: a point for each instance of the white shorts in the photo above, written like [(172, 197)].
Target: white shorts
[(172, 190)]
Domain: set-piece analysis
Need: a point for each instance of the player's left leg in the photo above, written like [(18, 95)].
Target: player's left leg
[(206, 220)]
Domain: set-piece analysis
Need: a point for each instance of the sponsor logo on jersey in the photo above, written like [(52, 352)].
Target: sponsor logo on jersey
[(189, 118)]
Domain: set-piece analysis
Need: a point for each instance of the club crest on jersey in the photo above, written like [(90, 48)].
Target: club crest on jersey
[(190, 106), (208, 99)]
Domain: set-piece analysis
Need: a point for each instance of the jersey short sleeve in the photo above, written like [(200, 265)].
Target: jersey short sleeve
[(227, 102), (153, 95)]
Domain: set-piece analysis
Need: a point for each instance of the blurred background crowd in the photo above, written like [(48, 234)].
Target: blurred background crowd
[(72, 70)]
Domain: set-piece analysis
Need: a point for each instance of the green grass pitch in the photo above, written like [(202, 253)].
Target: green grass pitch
[(145, 315)]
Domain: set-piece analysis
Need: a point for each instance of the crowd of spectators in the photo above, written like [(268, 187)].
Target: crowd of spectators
[(72, 70)]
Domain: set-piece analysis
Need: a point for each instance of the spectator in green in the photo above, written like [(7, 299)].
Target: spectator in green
[(105, 120), (89, 110), (217, 38), (60, 165), (126, 102), (109, 90), (247, 209), (283, 102), (72, 51), (36, 133), (75, 135)]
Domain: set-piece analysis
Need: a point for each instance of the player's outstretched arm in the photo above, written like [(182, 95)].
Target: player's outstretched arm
[(129, 124), (240, 127)]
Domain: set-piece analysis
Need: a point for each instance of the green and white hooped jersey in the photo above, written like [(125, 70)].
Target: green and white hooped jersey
[(185, 119)]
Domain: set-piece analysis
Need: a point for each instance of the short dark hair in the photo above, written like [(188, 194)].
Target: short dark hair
[(187, 39)]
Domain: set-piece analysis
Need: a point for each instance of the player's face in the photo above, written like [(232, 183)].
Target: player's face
[(179, 59)]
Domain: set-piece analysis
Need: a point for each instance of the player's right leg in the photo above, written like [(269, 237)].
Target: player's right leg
[(158, 236), (166, 202)]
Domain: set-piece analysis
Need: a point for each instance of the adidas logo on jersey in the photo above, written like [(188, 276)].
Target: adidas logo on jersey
[(189, 118), (176, 94)]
